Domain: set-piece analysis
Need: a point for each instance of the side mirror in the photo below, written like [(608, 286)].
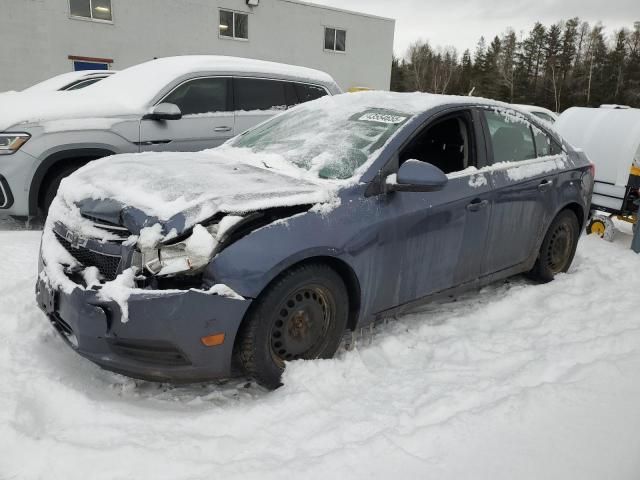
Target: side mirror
[(417, 176), (164, 111)]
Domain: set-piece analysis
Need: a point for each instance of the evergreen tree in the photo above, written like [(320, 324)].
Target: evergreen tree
[(569, 63)]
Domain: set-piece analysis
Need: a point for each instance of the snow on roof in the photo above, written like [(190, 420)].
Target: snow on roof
[(132, 90), (139, 84)]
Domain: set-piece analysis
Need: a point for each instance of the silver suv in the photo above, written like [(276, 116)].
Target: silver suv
[(186, 103)]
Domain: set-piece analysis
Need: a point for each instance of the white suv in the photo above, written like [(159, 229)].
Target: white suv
[(186, 103)]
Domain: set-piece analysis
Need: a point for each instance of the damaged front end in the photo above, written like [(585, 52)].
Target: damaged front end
[(180, 260), (143, 302)]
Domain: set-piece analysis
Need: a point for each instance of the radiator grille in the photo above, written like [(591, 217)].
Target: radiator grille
[(107, 264)]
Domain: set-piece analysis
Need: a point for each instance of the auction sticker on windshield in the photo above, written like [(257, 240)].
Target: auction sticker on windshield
[(382, 118)]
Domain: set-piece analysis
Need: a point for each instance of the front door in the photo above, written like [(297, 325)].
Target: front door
[(524, 173), (208, 119), (434, 241)]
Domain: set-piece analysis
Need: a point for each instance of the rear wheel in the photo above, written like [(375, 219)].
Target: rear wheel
[(301, 316), (558, 247)]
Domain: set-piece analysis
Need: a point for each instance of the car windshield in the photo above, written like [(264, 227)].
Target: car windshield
[(324, 139)]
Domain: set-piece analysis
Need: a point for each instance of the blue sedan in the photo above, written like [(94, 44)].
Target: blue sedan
[(185, 267)]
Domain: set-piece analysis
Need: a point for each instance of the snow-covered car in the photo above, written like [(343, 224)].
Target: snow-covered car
[(70, 81), (339, 212), (540, 112), (186, 103)]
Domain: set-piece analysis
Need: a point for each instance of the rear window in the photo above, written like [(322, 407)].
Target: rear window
[(257, 94), (307, 93), (511, 137), (81, 84), (545, 145)]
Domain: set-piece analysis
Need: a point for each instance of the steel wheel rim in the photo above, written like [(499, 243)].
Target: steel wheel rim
[(559, 248), (301, 324)]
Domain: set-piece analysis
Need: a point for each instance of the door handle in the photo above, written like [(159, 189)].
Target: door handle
[(545, 185), (222, 129), (477, 205)]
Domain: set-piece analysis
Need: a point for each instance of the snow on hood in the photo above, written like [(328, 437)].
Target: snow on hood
[(37, 107), (180, 190)]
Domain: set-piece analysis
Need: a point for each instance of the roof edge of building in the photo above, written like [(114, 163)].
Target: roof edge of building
[(341, 10)]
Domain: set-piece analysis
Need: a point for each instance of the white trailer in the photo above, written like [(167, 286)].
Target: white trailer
[(610, 136)]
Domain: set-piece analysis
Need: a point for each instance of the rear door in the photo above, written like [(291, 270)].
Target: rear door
[(524, 174), (207, 119)]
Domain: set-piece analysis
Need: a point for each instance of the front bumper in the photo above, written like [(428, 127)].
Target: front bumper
[(17, 171), (161, 339)]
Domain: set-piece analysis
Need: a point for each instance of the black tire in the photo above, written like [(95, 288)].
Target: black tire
[(51, 189), (558, 247), (302, 315)]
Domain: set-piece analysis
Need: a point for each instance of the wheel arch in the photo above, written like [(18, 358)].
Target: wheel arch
[(56, 162), (342, 268), (578, 210)]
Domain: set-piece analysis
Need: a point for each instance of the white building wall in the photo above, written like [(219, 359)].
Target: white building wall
[(38, 36)]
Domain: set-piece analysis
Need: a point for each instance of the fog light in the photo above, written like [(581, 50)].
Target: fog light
[(213, 340)]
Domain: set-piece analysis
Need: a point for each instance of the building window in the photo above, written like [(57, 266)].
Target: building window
[(234, 25), (93, 9), (335, 39)]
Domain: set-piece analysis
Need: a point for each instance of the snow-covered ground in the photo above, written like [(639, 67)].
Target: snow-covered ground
[(518, 381)]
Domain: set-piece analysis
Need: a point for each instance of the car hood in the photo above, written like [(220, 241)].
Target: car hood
[(22, 108), (179, 190)]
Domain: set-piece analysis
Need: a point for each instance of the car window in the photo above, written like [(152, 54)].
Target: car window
[(257, 94), (511, 137), (307, 93), (82, 83), (545, 117), (545, 145), (202, 95), (444, 144)]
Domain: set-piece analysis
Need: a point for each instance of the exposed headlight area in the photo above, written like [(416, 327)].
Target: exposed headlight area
[(184, 257), (10, 143)]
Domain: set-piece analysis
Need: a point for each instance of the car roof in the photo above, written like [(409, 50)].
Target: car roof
[(535, 108)]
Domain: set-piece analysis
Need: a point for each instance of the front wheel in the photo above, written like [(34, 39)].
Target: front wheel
[(301, 316), (558, 247)]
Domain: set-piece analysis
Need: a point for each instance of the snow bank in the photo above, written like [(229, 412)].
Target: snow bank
[(518, 381)]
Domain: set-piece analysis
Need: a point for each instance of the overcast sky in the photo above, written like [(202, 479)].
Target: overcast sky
[(460, 23)]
